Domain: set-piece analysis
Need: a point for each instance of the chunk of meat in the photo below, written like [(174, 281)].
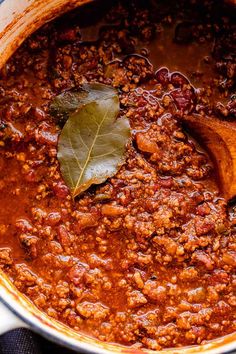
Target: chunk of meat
[(77, 272), (63, 236), (145, 144), (136, 298), (60, 190), (85, 220), (154, 291), (203, 226), (24, 225), (96, 310), (112, 210), (44, 134), (204, 259), (229, 258), (5, 256)]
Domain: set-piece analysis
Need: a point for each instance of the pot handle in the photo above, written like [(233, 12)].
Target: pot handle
[(8, 320)]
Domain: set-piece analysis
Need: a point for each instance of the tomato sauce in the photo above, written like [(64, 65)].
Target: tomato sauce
[(148, 258)]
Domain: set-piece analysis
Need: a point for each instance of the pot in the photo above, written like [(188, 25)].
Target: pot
[(18, 19)]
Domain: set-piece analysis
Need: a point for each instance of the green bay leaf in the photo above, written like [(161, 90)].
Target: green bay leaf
[(70, 101), (92, 143)]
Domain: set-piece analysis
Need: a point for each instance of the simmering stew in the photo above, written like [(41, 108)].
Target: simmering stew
[(146, 258)]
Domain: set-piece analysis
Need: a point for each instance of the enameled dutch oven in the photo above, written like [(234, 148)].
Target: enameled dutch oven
[(18, 19)]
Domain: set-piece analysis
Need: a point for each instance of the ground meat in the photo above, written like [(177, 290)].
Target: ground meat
[(147, 258), (5, 256)]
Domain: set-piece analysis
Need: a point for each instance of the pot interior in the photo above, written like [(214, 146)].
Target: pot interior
[(17, 30)]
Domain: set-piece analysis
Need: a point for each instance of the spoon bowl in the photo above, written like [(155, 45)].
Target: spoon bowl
[(219, 138)]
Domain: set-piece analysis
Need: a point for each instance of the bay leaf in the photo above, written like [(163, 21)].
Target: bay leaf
[(70, 101), (92, 143)]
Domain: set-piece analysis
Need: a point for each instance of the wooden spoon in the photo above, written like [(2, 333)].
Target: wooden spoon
[(20, 18), (219, 138)]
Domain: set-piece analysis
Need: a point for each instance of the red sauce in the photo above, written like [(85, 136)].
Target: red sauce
[(149, 257)]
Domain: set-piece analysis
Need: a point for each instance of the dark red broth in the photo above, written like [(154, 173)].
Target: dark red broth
[(148, 258)]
